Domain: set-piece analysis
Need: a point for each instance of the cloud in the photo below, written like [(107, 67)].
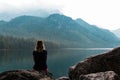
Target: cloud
[(21, 5), (104, 13), (12, 8)]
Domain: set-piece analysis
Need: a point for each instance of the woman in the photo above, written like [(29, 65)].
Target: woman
[(40, 57)]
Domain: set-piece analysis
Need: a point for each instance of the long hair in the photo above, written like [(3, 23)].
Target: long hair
[(39, 46)]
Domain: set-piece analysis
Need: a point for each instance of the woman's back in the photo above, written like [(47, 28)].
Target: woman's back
[(40, 58)]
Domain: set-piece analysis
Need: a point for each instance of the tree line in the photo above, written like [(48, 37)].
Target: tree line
[(8, 42)]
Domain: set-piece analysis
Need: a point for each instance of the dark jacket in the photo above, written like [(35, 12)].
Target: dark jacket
[(40, 59)]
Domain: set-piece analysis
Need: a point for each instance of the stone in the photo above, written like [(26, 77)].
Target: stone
[(108, 61), (25, 75), (108, 75)]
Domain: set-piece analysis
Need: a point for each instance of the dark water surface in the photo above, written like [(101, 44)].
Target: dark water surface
[(59, 60)]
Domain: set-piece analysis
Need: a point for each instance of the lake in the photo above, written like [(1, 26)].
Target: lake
[(59, 60)]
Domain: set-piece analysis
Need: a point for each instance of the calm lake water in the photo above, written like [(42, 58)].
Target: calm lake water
[(59, 60)]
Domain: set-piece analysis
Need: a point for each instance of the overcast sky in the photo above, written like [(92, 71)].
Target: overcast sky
[(103, 13)]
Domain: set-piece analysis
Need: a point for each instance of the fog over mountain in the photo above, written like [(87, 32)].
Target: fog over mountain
[(8, 15)]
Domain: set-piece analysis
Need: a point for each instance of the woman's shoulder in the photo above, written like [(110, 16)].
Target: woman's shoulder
[(44, 50)]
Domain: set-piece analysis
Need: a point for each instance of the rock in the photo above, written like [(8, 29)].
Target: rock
[(109, 61), (25, 75), (63, 78), (108, 75)]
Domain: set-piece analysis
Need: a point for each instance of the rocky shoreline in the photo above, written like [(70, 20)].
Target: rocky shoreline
[(108, 61), (25, 75), (104, 66)]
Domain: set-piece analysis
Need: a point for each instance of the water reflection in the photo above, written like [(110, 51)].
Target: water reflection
[(58, 60), (15, 59)]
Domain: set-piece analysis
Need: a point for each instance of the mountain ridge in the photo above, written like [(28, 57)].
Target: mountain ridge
[(60, 29)]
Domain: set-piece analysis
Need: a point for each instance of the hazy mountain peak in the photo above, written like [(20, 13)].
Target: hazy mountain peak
[(24, 19), (82, 22), (59, 16), (62, 20)]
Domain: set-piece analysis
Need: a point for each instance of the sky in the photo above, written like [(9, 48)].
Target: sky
[(103, 13)]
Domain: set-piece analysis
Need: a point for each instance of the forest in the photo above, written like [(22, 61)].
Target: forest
[(8, 42)]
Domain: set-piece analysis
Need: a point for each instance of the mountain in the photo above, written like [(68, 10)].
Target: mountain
[(98, 32), (61, 30), (117, 32), (2, 23)]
